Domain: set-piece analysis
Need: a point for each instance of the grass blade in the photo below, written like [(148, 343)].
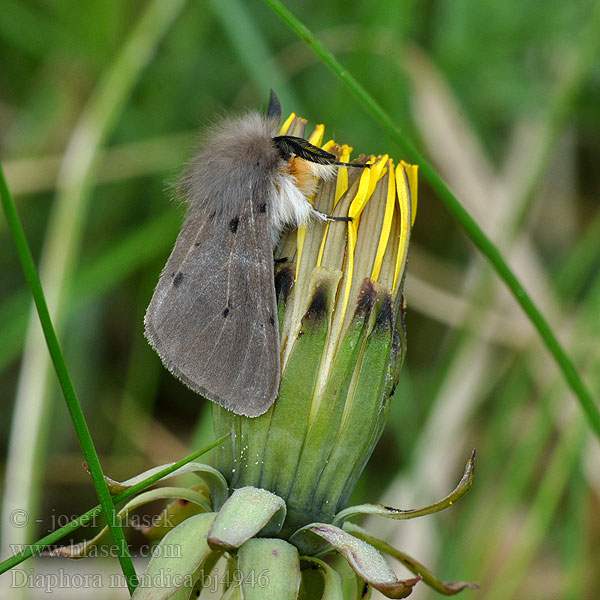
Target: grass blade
[(66, 384), (470, 227), (88, 516)]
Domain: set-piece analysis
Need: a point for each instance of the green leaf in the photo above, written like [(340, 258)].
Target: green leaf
[(84, 548), (225, 422), (447, 588), (179, 555), (292, 410), (249, 448), (269, 570), (204, 575), (332, 581), (176, 512), (247, 512), (363, 558), (233, 593), (88, 516), (327, 418), (214, 480), (464, 485), (366, 401)]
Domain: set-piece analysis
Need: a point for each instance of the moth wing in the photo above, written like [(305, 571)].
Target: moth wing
[(213, 317)]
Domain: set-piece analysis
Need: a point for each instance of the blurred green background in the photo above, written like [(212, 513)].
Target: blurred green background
[(100, 104)]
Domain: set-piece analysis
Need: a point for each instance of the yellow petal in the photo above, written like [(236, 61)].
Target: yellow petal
[(285, 127), (386, 227), (404, 201)]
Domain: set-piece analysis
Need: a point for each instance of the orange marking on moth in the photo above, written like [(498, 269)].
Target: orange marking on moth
[(306, 181)]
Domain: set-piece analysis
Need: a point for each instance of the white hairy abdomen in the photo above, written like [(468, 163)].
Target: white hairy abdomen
[(290, 206)]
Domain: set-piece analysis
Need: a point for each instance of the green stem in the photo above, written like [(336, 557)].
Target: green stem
[(470, 227), (66, 384), (88, 516)]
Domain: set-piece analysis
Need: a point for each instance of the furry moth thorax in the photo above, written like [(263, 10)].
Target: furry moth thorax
[(244, 154)]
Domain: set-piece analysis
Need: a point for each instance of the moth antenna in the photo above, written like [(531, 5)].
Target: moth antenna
[(289, 145)]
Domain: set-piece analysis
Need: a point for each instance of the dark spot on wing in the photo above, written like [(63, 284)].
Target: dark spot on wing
[(197, 244), (225, 312), (262, 208), (178, 279), (272, 320), (233, 224)]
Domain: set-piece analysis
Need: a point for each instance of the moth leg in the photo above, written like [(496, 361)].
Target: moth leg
[(356, 165), (325, 217)]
